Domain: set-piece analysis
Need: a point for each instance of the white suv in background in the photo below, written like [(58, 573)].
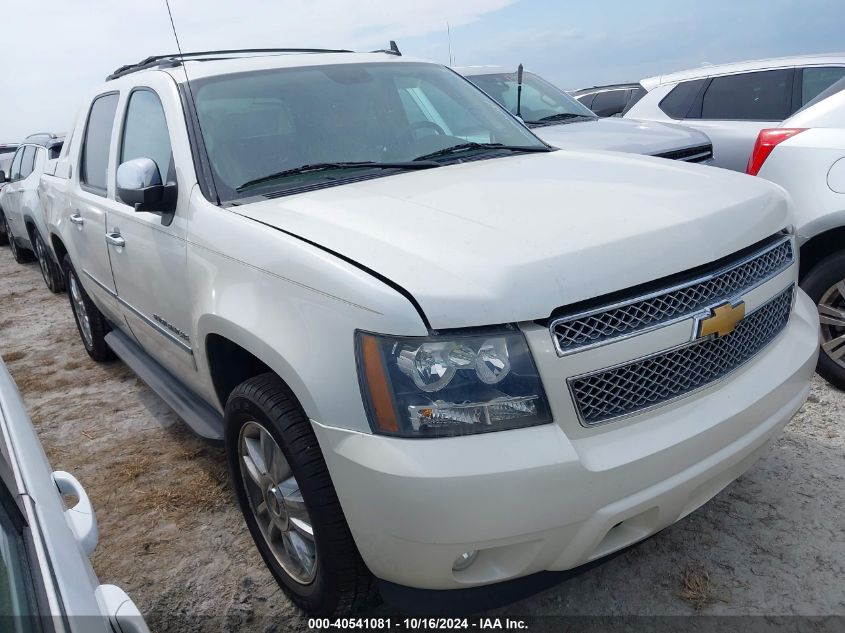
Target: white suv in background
[(440, 353), (46, 579), (806, 156), (731, 103), (562, 121), (20, 206)]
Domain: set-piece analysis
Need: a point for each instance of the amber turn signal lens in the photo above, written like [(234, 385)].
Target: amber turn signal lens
[(376, 375)]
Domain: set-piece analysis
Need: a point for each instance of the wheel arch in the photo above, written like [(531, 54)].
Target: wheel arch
[(233, 355), (820, 246), (31, 229), (59, 248)]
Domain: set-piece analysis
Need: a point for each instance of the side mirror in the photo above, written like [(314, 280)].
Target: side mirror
[(139, 184), (2, 176)]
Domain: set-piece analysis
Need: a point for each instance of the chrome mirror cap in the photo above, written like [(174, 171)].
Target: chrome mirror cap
[(138, 173)]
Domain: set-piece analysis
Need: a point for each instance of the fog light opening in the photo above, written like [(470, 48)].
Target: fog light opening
[(464, 560)]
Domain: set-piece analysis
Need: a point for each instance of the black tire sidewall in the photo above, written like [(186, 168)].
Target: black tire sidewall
[(4, 236), (57, 277), (818, 280), (49, 276), (318, 596), (99, 351)]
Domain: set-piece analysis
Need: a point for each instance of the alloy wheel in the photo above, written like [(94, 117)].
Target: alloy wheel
[(276, 502), (41, 254), (832, 318), (78, 303), (9, 235)]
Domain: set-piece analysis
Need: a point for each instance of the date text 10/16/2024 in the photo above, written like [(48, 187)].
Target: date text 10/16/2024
[(418, 624)]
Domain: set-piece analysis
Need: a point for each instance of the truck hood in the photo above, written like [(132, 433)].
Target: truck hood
[(621, 135), (511, 239)]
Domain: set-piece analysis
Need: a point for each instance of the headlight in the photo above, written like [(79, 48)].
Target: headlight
[(450, 384)]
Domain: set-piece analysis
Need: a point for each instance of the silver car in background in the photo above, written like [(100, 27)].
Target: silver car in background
[(731, 103), (562, 121), (46, 580), (21, 215)]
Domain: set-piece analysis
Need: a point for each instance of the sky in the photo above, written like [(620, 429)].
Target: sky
[(56, 51)]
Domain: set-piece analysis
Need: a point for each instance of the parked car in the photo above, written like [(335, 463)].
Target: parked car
[(7, 152), (731, 103), (20, 206), (46, 574), (806, 156), (367, 278), (610, 100), (560, 120)]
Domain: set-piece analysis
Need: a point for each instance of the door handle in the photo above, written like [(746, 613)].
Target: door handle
[(115, 239), (77, 219)]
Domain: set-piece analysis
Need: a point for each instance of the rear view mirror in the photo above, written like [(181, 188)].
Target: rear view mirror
[(139, 185)]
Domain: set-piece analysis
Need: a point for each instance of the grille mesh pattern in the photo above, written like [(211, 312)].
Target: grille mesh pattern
[(629, 388), (600, 326)]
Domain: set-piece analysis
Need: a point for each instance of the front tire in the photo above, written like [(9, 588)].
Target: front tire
[(90, 322), (52, 274), (4, 236), (288, 500), (21, 255), (825, 284)]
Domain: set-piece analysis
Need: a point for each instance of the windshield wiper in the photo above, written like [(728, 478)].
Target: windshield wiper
[(562, 116), (304, 169), (462, 147)]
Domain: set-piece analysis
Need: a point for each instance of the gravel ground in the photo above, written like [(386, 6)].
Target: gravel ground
[(772, 543)]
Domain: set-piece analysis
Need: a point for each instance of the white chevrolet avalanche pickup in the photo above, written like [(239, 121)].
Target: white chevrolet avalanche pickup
[(444, 357)]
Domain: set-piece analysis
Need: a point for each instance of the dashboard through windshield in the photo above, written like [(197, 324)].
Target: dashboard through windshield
[(273, 130)]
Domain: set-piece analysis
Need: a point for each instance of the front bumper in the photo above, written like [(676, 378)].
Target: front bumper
[(535, 499)]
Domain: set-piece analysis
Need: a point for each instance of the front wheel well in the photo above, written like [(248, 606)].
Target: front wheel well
[(30, 229), (820, 246), (58, 248), (230, 365)]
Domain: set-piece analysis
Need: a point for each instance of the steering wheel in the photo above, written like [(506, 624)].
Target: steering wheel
[(419, 125)]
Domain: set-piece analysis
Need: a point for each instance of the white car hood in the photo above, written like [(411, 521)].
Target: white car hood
[(621, 135), (511, 239)]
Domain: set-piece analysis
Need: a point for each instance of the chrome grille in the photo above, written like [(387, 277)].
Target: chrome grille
[(698, 154), (602, 325), (626, 389)]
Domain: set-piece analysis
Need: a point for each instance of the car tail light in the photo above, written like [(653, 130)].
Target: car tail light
[(767, 140)]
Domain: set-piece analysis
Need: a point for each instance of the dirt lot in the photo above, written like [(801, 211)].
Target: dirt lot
[(171, 535)]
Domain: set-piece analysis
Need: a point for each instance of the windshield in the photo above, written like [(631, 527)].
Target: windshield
[(541, 101), (261, 127)]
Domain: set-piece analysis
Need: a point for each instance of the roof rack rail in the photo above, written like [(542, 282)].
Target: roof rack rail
[(36, 134), (174, 59)]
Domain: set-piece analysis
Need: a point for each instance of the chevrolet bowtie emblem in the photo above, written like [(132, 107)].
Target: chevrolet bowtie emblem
[(723, 319)]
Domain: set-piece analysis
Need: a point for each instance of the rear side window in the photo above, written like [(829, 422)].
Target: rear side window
[(636, 94), (145, 133), (678, 103), (15, 172), (758, 96), (609, 102), (815, 80), (28, 160), (587, 100), (95, 144)]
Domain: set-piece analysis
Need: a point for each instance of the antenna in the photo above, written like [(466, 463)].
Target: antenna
[(519, 91), (190, 91), (449, 35)]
